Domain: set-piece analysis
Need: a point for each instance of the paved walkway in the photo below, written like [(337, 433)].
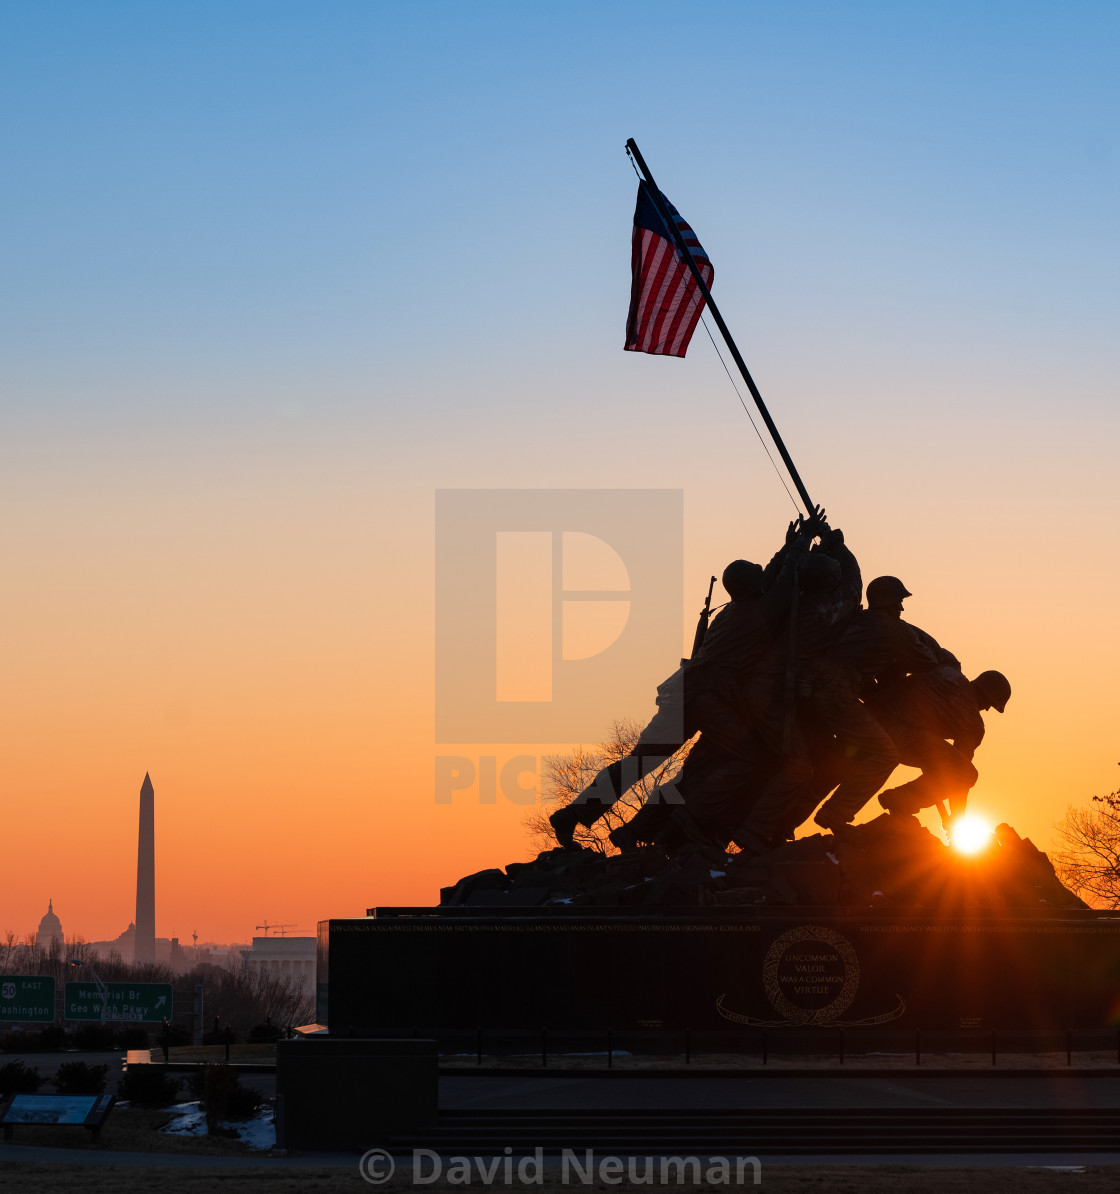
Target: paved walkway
[(1064, 1091), (81, 1156), (93, 1156)]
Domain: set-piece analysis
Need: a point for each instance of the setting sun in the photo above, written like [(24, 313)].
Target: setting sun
[(971, 834)]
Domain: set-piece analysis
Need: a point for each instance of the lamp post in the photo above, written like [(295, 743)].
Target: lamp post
[(103, 990)]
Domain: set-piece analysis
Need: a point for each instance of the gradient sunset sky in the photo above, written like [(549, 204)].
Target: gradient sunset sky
[(274, 273)]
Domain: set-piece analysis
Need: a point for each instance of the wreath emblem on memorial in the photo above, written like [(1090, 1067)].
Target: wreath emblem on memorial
[(773, 977), (815, 975)]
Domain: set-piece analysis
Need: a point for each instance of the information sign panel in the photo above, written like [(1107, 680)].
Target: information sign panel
[(146, 1002), (26, 999)]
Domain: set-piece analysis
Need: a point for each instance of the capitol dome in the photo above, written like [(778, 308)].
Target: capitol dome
[(50, 928)]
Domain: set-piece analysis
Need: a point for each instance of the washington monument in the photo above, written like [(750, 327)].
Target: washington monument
[(145, 950)]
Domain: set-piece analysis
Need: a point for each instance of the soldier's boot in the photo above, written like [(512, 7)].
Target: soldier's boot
[(624, 838), (902, 801), (564, 821), (830, 819), (644, 826)]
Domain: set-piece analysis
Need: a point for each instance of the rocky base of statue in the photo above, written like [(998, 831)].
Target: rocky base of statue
[(891, 861)]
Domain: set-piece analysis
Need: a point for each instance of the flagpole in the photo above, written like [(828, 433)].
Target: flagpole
[(706, 294)]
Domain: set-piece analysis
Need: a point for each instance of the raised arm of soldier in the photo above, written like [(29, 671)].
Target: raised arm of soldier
[(773, 569), (776, 595), (803, 530)]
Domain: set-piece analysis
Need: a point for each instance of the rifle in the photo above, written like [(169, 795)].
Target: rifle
[(705, 618)]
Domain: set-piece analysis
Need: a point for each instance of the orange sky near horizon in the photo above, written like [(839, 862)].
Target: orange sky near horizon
[(268, 657)]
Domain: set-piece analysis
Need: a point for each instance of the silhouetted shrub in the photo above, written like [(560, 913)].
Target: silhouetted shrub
[(75, 1077), (17, 1078), (94, 1038), (219, 1037), (47, 1040), (221, 1095), (133, 1038), (266, 1033), (148, 1086)]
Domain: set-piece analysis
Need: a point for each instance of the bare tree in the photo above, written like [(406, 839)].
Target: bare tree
[(1088, 860), (567, 775), (8, 952), (246, 998), (239, 996)]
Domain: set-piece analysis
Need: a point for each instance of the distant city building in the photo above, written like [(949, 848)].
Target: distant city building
[(168, 951), (215, 956), (285, 957), (123, 946), (50, 929)]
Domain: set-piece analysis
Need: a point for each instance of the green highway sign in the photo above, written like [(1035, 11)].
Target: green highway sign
[(150, 1002), (26, 999)]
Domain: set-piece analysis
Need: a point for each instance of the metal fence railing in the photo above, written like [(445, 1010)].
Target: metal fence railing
[(644, 1048)]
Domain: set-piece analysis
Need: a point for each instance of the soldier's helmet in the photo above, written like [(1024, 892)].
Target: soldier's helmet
[(994, 688), (742, 579), (886, 590)]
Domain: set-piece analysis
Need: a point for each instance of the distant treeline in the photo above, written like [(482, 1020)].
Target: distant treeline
[(249, 1002)]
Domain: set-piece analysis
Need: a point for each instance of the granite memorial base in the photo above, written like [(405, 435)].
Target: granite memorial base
[(439, 970), (352, 1093)]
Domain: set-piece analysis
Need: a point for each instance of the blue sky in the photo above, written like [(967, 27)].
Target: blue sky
[(287, 196)]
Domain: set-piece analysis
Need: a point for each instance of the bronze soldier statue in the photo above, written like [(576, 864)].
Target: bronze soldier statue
[(920, 712), (830, 588), (877, 645), (713, 693)]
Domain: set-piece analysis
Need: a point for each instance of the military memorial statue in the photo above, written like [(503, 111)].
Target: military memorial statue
[(800, 697), (743, 890)]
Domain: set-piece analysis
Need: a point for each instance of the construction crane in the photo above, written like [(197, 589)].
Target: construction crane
[(283, 928)]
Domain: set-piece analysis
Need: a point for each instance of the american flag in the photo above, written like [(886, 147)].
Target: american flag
[(665, 302)]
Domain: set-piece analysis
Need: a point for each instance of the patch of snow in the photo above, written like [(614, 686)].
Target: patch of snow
[(832, 858), (717, 874), (259, 1132), (188, 1119)]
